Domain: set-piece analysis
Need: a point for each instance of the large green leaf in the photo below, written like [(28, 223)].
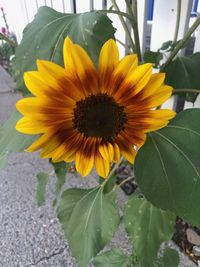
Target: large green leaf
[(183, 73), (148, 227), (42, 179), (153, 57), (43, 38), (169, 259), (167, 167), (89, 219), (111, 258), (11, 140)]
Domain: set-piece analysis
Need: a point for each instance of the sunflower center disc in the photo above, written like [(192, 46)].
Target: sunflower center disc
[(99, 116)]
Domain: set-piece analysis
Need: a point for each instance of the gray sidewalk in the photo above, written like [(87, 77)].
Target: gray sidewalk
[(31, 236)]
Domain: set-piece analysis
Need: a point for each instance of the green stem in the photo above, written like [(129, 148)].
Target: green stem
[(123, 182), (178, 17), (181, 44), (112, 172), (177, 91), (124, 45), (120, 13), (128, 34), (8, 40), (133, 13)]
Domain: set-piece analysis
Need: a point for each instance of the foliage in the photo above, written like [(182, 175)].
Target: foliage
[(169, 259), (172, 170), (41, 187), (183, 73), (11, 140), (6, 51), (36, 44), (167, 166), (89, 219), (60, 169), (142, 221), (153, 57), (111, 258)]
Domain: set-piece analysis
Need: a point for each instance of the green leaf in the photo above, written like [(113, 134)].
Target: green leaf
[(169, 259), (153, 57), (183, 73), (167, 167), (11, 140), (166, 46), (110, 183), (60, 169), (43, 38), (148, 227), (89, 219), (111, 258), (42, 179)]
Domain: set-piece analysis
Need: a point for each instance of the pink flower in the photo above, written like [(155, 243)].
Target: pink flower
[(3, 30)]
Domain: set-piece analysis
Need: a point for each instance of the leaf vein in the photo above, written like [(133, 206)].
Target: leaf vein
[(181, 151)]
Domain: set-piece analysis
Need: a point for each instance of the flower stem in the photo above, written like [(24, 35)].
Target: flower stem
[(177, 91), (120, 13), (133, 13), (124, 45), (178, 17), (8, 40), (128, 34), (181, 44), (115, 166), (123, 182)]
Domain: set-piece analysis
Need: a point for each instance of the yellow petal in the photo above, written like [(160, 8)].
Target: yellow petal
[(30, 126), (108, 60), (70, 158), (84, 165), (156, 80), (129, 153), (35, 83), (160, 96), (102, 166), (126, 66), (134, 82), (106, 150), (68, 147), (116, 157), (162, 114), (85, 157), (51, 71), (29, 105), (40, 142), (159, 119), (80, 66)]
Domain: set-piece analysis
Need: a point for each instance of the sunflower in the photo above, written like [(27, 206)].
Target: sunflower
[(92, 116)]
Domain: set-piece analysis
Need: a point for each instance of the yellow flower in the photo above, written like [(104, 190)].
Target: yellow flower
[(92, 116)]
